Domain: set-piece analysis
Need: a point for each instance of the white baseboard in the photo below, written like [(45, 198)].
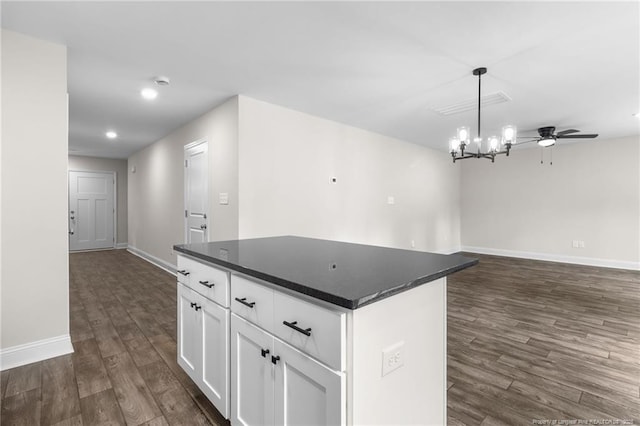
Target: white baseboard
[(448, 251), (122, 246), (40, 350), (153, 260), (590, 261)]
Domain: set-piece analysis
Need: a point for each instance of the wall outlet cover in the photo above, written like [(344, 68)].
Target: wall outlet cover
[(392, 358)]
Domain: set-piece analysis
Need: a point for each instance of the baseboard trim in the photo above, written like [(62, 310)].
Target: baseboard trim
[(589, 261), (122, 246), (448, 251), (153, 260), (39, 350)]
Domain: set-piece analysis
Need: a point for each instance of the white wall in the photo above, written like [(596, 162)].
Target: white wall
[(155, 196), (591, 193), (287, 159), (35, 270), (93, 164)]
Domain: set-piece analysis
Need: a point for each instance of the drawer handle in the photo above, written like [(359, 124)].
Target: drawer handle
[(306, 332), (206, 284), (198, 307), (275, 359), (264, 352), (245, 303), (193, 304), (184, 272)]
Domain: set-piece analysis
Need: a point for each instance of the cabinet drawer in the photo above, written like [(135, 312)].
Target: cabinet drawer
[(211, 282), (252, 301), (326, 329)]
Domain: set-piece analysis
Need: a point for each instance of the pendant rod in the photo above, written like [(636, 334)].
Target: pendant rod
[(479, 72), (479, 97)]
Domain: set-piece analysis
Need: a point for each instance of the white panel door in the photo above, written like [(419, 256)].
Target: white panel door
[(215, 355), (91, 210), (306, 392), (251, 374), (196, 199)]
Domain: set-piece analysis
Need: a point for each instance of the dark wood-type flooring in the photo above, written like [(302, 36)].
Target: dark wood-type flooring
[(527, 341)]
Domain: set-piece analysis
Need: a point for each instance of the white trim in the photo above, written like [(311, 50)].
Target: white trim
[(448, 251), (39, 350), (590, 261), (153, 260), (122, 246)]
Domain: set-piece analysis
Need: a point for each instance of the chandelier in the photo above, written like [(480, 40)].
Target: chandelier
[(495, 145)]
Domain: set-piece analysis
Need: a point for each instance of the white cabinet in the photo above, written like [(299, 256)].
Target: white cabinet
[(214, 377), (203, 330), (306, 392), (189, 343), (264, 355), (275, 384), (251, 374)]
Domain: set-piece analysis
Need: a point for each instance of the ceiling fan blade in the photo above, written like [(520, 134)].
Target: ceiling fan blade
[(566, 132), (585, 136)]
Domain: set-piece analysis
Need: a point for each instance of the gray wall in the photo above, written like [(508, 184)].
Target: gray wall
[(93, 164), (591, 193), (156, 189), (35, 266), (287, 159)]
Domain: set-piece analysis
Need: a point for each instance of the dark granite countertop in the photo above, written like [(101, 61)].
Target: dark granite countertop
[(344, 274)]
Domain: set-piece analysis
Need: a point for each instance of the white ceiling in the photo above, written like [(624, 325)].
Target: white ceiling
[(380, 66)]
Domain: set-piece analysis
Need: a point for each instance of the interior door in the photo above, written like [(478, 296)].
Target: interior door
[(91, 210), (196, 199)]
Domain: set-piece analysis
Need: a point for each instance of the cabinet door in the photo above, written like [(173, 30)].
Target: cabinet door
[(306, 392), (251, 374), (189, 332), (215, 355)]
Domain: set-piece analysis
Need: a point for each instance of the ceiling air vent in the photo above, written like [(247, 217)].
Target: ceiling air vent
[(472, 104)]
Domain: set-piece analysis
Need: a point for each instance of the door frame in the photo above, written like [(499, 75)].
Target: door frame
[(185, 226), (115, 203)]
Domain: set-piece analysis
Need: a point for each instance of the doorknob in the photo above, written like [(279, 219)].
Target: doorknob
[(70, 232), (203, 226), (73, 217)]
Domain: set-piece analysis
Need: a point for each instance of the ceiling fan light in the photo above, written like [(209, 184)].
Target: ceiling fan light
[(509, 134), (547, 141)]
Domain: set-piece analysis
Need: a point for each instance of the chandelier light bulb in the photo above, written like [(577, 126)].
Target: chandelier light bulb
[(463, 135), (454, 144), (493, 143), (508, 134)]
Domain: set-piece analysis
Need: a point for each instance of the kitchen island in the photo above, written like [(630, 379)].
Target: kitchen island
[(292, 330)]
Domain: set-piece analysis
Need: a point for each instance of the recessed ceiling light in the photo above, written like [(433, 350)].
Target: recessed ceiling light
[(149, 93), (111, 134)]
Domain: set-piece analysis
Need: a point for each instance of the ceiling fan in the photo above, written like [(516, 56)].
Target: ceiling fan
[(548, 137)]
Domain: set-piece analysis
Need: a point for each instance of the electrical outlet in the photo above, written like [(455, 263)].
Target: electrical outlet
[(391, 200), (578, 244), (392, 358)]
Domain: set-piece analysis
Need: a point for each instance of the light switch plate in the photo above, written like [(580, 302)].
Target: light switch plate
[(224, 198)]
